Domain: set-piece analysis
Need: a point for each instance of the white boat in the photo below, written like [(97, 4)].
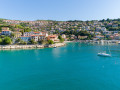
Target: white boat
[(119, 42), (104, 54), (55, 47)]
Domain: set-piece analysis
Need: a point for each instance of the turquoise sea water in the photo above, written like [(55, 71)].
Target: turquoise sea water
[(73, 67)]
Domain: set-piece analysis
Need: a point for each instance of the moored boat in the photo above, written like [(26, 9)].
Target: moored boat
[(55, 47), (104, 54)]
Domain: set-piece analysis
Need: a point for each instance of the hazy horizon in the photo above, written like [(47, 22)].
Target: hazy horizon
[(58, 20)]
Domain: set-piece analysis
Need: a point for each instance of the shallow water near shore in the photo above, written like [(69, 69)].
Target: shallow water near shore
[(75, 66)]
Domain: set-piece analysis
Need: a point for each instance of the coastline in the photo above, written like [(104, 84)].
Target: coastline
[(96, 41), (14, 47), (9, 47)]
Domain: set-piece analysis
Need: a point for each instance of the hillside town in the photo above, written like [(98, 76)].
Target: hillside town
[(48, 31), (27, 37)]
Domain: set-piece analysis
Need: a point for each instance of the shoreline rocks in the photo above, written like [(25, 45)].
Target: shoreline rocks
[(8, 47)]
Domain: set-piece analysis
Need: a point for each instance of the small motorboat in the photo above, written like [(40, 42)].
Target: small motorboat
[(104, 54), (55, 47), (119, 42)]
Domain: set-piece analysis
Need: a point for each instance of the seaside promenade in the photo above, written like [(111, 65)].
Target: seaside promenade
[(7, 47)]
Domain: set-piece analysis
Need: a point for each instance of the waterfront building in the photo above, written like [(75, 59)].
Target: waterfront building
[(53, 38), (35, 37), (82, 37), (72, 37), (25, 38), (45, 34), (42, 37)]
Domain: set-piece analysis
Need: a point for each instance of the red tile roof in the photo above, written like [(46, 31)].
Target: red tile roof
[(5, 30), (36, 32), (34, 35), (52, 36), (25, 36)]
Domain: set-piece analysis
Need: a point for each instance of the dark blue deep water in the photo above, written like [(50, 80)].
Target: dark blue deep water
[(73, 67)]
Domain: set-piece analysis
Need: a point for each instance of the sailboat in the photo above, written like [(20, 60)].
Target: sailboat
[(105, 54)]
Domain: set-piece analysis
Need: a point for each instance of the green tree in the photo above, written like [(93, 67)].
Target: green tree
[(61, 39), (43, 42), (7, 40), (27, 29), (23, 42), (12, 35), (2, 36), (18, 40), (50, 42), (19, 26), (32, 41), (1, 40)]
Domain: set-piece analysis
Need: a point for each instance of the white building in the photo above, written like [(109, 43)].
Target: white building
[(28, 33), (25, 38), (63, 36), (103, 29), (35, 37), (6, 32)]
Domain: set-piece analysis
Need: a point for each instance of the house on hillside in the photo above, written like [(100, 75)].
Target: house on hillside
[(6, 31), (107, 32), (95, 39), (115, 25), (25, 38), (53, 38), (103, 29), (35, 37), (117, 36), (42, 37), (82, 37), (17, 34), (45, 34), (28, 33), (37, 33), (97, 33), (100, 37), (63, 36)]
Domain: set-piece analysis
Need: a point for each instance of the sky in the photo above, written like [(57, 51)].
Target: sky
[(60, 10)]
